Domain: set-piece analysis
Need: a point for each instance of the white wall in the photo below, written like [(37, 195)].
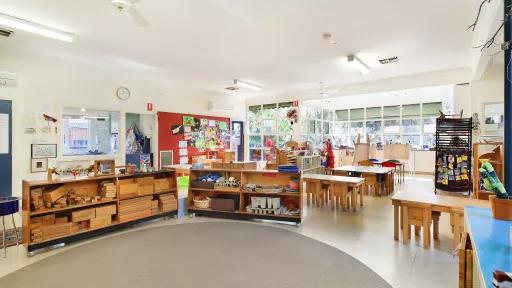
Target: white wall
[(47, 84)]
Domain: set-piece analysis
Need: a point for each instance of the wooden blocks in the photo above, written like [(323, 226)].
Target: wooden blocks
[(83, 214), (52, 196), (58, 230), (48, 219), (108, 210), (36, 199), (101, 221), (145, 185), (128, 188), (108, 190), (61, 220), (162, 185), (167, 202), (154, 206), (134, 208)]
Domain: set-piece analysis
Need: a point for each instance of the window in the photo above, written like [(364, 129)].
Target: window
[(93, 132), (392, 126), (269, 127), (411, 126), (341, 115), (430, 111), (254, 119)]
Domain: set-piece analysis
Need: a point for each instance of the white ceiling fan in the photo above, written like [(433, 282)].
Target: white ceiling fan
[(127, 7)]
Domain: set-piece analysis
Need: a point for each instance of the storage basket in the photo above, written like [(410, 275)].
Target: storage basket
[(202, 185), (202, 204)]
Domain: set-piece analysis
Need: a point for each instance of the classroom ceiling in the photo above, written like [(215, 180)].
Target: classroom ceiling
[(205, 44)]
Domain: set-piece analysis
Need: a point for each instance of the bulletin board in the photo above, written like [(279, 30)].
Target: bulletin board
[(200, 132)]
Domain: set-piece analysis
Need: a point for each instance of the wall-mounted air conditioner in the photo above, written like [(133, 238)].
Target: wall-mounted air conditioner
[(8, 79), (220, 106)]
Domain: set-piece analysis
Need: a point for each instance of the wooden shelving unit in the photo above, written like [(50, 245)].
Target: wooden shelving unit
[(66, 223), (260, 177), (491, 152)]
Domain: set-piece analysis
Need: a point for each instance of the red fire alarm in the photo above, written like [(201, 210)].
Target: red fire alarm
[(150, 107)]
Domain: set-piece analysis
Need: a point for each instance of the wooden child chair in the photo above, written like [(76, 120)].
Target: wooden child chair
[(417, 215)]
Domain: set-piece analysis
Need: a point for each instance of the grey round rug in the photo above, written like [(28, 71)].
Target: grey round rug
[(195, 255)]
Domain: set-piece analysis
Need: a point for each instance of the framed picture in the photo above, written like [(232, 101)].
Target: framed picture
[(38, 165), (104, 167), (494, 117), (42, 151)]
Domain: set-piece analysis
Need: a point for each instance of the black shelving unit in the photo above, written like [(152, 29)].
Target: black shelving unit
[(453, 154)]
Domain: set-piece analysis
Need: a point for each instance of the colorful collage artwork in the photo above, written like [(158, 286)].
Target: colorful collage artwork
[(453, 170), (204, 133)]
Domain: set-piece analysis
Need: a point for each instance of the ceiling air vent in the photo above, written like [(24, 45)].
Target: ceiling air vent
[(5, 33), (389, 60)]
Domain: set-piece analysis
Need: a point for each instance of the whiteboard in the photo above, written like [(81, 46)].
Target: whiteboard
[(4, 134)]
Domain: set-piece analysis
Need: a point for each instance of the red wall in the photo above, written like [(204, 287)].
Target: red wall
[(167, 141)]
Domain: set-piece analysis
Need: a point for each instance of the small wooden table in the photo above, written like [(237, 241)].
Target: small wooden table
[(401, 169), (357, 171), (402, 200), (355, 183)]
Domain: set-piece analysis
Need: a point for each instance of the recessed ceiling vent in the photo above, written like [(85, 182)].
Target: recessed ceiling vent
[(231, 88), (389, 60), (5, 33)]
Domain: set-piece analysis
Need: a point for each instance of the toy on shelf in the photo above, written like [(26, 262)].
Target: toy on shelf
[(491, 182)]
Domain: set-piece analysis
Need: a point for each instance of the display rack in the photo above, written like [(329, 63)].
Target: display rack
[(71, 209), (310, 164), (491, 152), (239, 201), (453, 154)]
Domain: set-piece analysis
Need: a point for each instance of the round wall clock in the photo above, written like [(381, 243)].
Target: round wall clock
[(123, 93)]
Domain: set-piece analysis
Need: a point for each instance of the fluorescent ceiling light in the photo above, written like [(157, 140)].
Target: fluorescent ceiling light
[(245, 84), (22, 24), (358, 64)]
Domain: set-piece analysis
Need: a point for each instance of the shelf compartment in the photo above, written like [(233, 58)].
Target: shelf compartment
[(56, 210)]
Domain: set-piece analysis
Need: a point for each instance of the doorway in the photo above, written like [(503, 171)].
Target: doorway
[(5, 148), (237, 139)]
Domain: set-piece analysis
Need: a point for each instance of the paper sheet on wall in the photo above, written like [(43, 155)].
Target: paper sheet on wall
[(183, 160), (4, 134), (183, 152), (182, 144)]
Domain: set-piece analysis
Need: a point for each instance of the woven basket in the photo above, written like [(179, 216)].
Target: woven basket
[(269, 190), (202, 204)]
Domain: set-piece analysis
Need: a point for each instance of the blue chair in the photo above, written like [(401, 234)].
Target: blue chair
[(9, 206), (374, 160)]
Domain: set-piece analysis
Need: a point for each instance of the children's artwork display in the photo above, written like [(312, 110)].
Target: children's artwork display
[(199, 132)]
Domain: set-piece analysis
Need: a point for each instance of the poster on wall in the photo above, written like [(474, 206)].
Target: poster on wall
[(188, 121), (223, 125), (204, 122), (177, 129), (182, 144), (211, 123), (40, 151)]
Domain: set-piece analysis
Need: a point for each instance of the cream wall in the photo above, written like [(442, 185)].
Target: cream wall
[(488, 89), (46, 84)]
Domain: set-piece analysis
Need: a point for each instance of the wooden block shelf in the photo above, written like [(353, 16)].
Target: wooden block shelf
[(76, 209), (243, 200)]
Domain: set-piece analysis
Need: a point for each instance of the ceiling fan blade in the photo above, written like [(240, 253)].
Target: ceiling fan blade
[(136, 17)]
